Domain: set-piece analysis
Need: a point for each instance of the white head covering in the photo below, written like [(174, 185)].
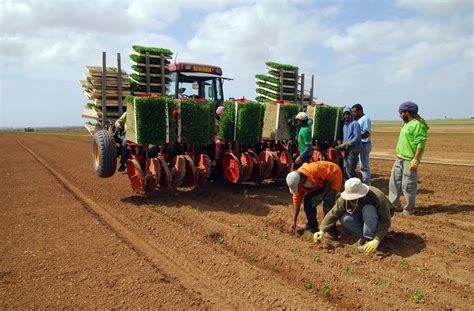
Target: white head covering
[(354, 189), (302, 116), (292, 180)]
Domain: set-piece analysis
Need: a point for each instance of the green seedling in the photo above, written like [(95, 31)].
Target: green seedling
[(274, 268), (331, 243), (248, 229), (268, 218), (309, 285), (353, 250), (220, 240), (349, 271), (297, 234), (317, 258), (221, 219), (209, 233), (326, 290), (404, 263), (309, 235), (189, 206), (235, 225), (293, 249), (420, 269), (418, 297)]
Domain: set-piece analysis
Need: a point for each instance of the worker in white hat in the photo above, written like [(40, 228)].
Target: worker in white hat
[(362, 209), (305, 141)]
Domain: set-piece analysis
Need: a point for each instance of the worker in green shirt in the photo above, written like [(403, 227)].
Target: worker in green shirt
[(305, 142), (410, 147)]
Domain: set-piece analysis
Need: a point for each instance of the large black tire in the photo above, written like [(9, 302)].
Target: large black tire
[(104, 154)]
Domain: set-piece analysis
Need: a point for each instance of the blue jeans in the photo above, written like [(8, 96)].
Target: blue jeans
[(350, 164), (310, 210), (362, 222), (364, 162)]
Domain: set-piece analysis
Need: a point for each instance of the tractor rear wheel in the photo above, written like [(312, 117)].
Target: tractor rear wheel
[(104, 154)]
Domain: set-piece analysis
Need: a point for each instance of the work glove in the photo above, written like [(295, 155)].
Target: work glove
[(318, 236), (371, 247), (414, 164)]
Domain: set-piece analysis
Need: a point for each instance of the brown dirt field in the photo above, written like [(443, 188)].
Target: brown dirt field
[(71, 239)]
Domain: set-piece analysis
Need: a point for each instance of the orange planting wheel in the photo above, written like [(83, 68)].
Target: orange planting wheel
[(267, 161), (152, 174), (136, 177), (277, 168), (178, 170), (286, 161), (257, 166), (247, 166), (231, 167), (204, 168), (191, 174), (165, 176)]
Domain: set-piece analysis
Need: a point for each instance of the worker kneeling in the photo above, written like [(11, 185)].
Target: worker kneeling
[(320, 179), (362, 209)]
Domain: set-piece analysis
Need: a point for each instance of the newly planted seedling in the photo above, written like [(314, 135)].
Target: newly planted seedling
[(349, 271), (404, 263), (418, 297), (326, 290), (274, 268), (220, 240), (317, 258), (309, 235), (209, 233), (221, 219), (293, 249), (353, 250), (309, 285), (248, 229)]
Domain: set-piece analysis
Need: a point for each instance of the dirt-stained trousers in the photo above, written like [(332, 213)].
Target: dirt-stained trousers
[(403, 180)]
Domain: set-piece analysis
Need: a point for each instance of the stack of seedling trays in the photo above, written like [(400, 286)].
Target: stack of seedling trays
[(279, 122), (150, 73), (280, 83), (196, 122), (242, 122), (327, 122), (93, 90), (150, 120)]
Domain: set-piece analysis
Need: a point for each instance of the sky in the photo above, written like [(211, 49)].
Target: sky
[(377, 53)]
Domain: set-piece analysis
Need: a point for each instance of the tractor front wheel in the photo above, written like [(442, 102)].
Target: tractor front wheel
[(104, 154)]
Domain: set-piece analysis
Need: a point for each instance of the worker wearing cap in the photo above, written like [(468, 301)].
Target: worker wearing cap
[(410, 147), (363, 210), (321, 178), (305, 142)]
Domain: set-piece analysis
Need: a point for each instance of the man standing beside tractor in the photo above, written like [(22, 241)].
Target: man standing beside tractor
[(305, 142), (321, 178), (410, 147), (351, 143), (365, 128)]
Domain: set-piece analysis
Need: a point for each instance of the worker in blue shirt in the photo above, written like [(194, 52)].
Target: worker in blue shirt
[(351, 143), (366, 129)]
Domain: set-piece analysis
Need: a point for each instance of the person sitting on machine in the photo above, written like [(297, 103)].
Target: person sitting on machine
[(120, 131)]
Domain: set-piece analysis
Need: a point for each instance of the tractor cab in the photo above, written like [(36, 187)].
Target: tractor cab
[(197, 81)]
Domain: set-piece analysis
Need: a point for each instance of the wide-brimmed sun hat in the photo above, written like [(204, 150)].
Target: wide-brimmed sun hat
[(292, 180), (354, 189)]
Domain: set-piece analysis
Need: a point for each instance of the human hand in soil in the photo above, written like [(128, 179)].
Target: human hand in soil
[(318, 236), (371, 247), (292, 228)]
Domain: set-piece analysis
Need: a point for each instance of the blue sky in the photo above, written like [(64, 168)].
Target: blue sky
[(376, 53)]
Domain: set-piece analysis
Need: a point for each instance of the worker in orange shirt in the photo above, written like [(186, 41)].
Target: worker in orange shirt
[(320, 179)]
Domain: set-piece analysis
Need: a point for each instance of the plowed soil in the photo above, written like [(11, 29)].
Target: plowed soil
[(70, 239)]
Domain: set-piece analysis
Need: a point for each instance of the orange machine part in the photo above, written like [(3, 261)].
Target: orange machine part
[(247, 166), (231, 167), (136, 177), (257, 166), (267, 161)]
